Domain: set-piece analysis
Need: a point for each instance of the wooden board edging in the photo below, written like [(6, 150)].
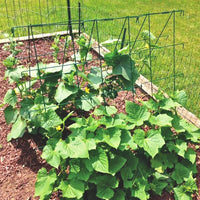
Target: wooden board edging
[(39, 36)]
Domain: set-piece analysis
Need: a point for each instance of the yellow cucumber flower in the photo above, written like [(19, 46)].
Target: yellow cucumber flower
[(15, 90), (147, 46), (58, 128), (87, 90), (30, 96)]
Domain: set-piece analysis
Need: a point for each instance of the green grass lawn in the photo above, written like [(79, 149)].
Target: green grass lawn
[(187, 32)]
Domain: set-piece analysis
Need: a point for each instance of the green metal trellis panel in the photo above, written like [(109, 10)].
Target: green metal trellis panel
[(24, 12)]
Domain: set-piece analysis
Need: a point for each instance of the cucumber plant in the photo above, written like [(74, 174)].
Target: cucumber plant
[(42, 93), (122, 156), (107, 155)]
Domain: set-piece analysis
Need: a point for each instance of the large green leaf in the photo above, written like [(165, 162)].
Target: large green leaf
[(50, 155), (52, 68), (178, 146), (63, 92), (127, 177), (190, 155), (99, 160), (10, 114), (132, 160), (119, 195), (140, 191), (10, 61), (158, 185), (116, 163), (136, 114), (87, 102), (45, 183), (181, 173), (176, 123), (135, 176), (126, 68), (110, 110), (75, 166), (150, 142), (61, 148), (127, 141), (162, 161), (180, 194), (122, 65), (16, 74), (26, 105), (104, 179), (40, 99), (73, 148), (193, 136), (112, 58), (18, 129), (151, 104), (168, 104), (188, 126), (180, 97), (167, 134), (72, 188), (112, 136), (78, 170), (77, 148), (95, 77), (162, 120), (117, 122), (91, 143), (105, 110), (140, 185), (10, 97), (50, 119), (186, 190), (105, 185), (89, 124), (104, 192)]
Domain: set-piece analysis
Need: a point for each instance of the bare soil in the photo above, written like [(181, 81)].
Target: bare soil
[(21, 159)]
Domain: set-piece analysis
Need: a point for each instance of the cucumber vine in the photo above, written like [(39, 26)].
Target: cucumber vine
[(106, 155)]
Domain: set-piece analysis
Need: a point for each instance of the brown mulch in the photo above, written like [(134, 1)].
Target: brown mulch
[(20, 159)]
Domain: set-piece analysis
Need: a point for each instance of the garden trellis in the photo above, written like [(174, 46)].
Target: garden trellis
[(133, 34)]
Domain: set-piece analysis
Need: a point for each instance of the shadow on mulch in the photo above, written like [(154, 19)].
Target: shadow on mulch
[(31, 150)]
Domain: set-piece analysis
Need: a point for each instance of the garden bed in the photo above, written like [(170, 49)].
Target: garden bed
[(21, 159)]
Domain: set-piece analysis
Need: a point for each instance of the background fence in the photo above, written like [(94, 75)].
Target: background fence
[(14, 13), (168, 71)]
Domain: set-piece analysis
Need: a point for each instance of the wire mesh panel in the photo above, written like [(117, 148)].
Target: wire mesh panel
[(67, 61), (14, 13), (153, 50)]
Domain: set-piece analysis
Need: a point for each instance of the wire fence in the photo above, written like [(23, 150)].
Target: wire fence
[(133, 34), (15, 13)]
